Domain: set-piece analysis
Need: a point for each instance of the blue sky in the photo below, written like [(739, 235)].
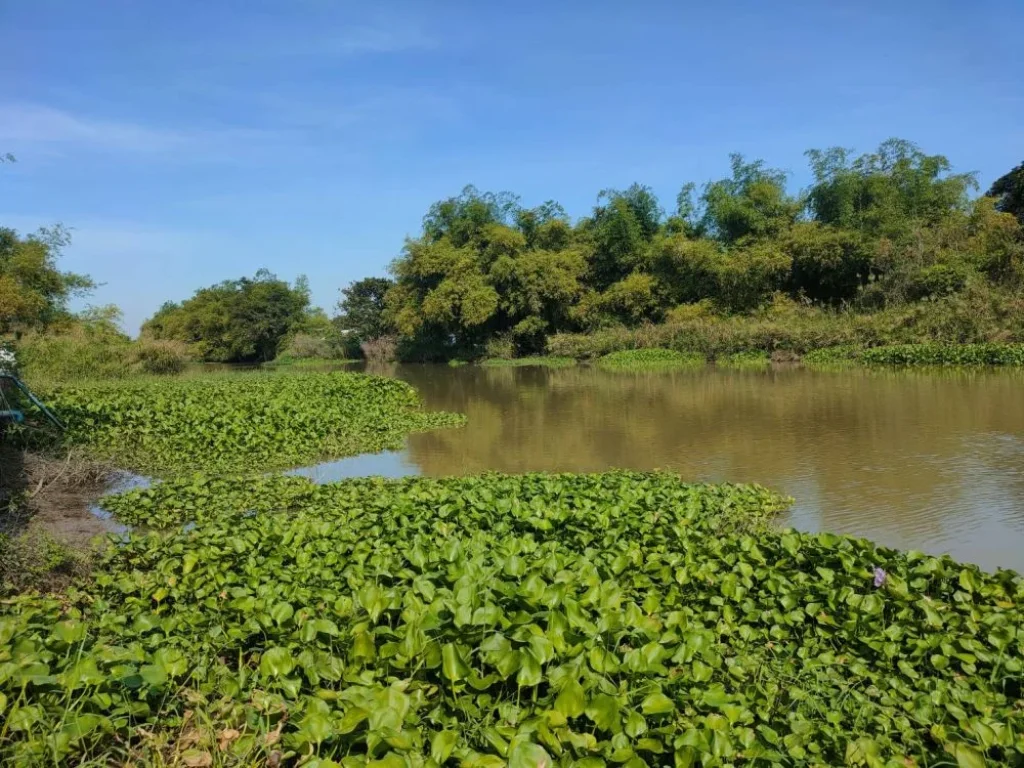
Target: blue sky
[(192, 141)]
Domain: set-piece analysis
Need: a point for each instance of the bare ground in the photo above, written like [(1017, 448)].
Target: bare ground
[(49, 535)]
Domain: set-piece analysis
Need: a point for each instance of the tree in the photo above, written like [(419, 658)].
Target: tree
[(242, 320), (361, 309), (1009, 190), (34, 293), (462, 218), (753, 203), (884, 193), (621, 229)]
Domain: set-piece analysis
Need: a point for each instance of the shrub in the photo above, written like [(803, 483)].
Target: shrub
[(383, 349), (160, 356), (74, 355), (304, 346), (502, 347)]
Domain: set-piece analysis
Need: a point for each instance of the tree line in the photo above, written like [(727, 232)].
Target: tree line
[(883, 229), (486, 274)]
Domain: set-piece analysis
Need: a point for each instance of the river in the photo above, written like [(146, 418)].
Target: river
[(916, 460)]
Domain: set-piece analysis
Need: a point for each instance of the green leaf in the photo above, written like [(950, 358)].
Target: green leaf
[(452, 664), (603, 710), (571, 700), (528, 755), (968, 757), (657, 704), (281, 612), (442, 744), (276, 662), (315, 728)]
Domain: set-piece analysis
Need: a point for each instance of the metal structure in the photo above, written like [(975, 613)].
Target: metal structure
[(11, 415)]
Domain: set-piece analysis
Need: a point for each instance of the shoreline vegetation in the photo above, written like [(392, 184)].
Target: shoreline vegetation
[(890, 247), (991, 355)]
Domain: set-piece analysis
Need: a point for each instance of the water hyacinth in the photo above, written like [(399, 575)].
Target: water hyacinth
[(539, 620), (880, 577)]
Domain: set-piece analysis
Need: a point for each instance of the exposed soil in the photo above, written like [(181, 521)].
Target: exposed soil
[(49, 535), (39, 491)]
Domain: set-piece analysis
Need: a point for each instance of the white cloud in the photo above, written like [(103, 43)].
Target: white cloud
[(47, 131), (39, 124)]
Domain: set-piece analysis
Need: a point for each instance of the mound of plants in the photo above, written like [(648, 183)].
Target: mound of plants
[(748, 361), (240, 422), (842, 356), (945, 354), (536, 620), (650, 360), (526, 362), (920, 355)]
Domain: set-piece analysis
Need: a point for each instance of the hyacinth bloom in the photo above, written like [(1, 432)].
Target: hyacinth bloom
[(880, 577)]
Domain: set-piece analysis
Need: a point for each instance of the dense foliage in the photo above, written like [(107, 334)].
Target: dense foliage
[(240, 422), (529, 621), (91, 345), (34, 292), (889, 229), (242, 320), (361, 308), (1008, 189)]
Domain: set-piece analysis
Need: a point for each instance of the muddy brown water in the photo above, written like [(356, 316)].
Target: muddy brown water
[(916, 460)]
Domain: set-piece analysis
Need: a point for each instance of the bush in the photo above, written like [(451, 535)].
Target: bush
[(305, 346), (74, 355), (502, 347), (383, 349), (160, 357)]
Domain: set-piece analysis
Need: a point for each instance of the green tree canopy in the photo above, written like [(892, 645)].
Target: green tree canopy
[(34, 292), (885, 192), (752, 203), (892, 226), (242, 320), (361, 308), (1009, 191)]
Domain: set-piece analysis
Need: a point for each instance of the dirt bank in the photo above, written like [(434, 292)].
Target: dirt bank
[(48, 535)]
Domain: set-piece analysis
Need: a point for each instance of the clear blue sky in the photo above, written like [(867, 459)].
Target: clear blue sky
[(192, 141)]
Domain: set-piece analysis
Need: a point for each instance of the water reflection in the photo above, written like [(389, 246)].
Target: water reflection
[(930, 461)]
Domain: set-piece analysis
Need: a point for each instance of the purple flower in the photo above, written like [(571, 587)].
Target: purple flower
[(880, 577)]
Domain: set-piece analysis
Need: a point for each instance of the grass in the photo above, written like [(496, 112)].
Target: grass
[(524, 362), (650, 360)]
